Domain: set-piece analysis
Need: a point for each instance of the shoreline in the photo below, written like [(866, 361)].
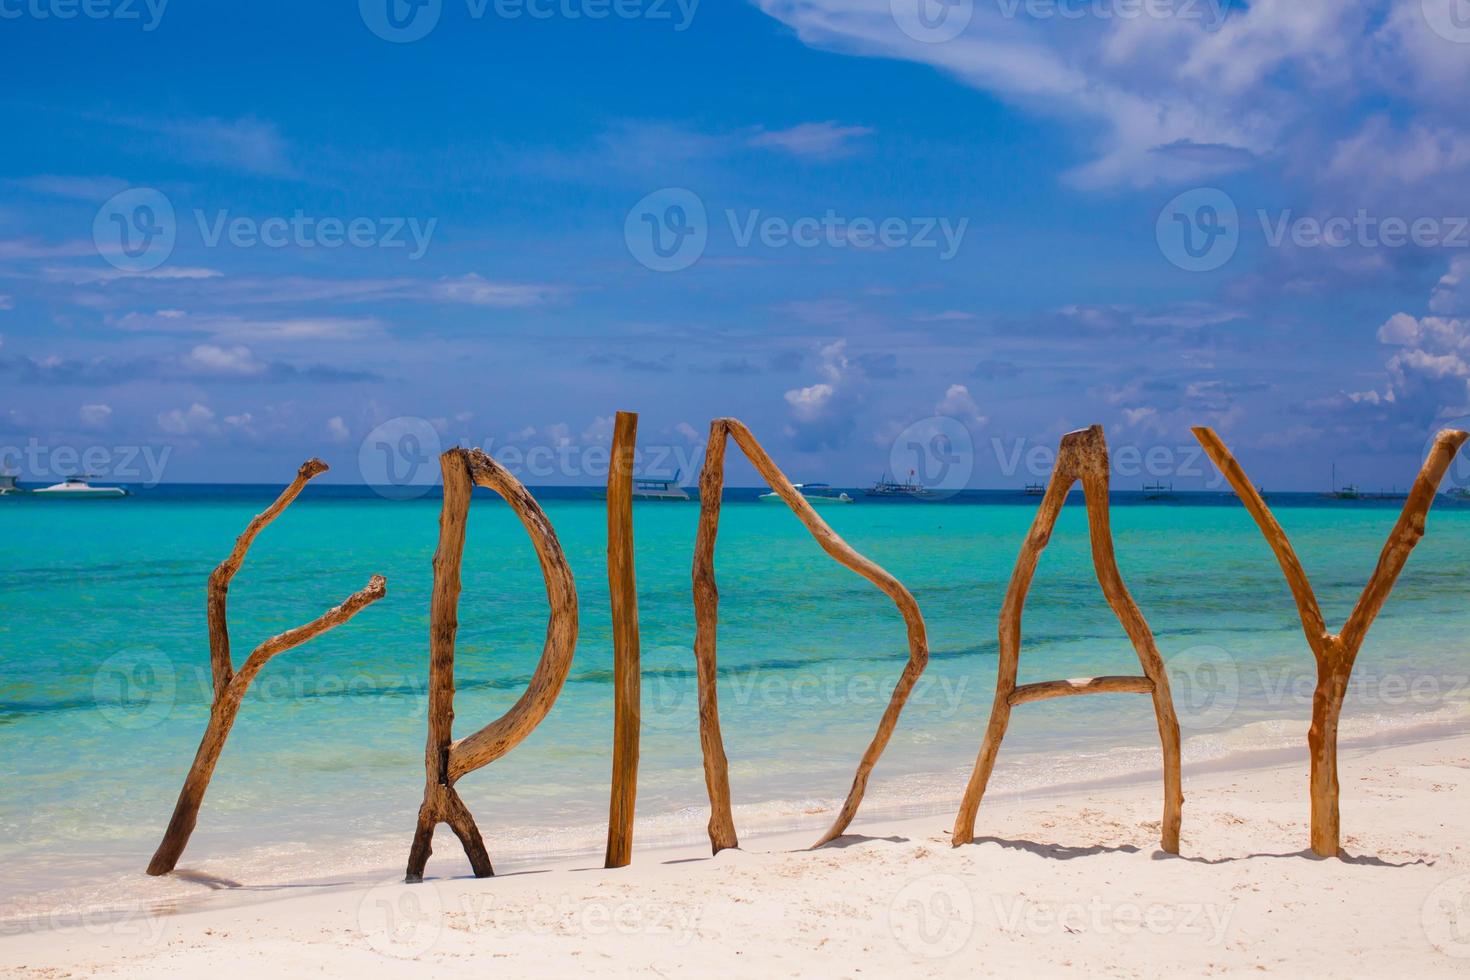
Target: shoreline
[(1065, 883), (242, 877)]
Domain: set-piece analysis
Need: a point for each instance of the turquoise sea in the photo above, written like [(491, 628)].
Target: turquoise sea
[(104, 681)]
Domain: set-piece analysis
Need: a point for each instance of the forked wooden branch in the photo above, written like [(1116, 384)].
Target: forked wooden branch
[(230, 687), (706, 605), (446, 759), (627, 674), (1083, 456), (1336, 653)]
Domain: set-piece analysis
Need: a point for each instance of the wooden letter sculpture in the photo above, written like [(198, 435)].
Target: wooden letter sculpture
[(706, 614), (1083, 456), (623, 593), (1336, 652), (230, 687), (447, 759)]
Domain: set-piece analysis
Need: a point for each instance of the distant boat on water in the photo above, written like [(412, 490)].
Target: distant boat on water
[(648, 488), (1158, 491), (77, 487), (816, 494), (8, 486), (1348, 491), (910, 488), (1035, 489)]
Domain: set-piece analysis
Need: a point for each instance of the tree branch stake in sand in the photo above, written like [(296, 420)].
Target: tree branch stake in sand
[(1337, 652), (706, 614), (230, 687), (627, 675), (1083, 456), (446, 759)]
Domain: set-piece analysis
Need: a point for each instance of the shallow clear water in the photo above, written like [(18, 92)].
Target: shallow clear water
[(104, 682)]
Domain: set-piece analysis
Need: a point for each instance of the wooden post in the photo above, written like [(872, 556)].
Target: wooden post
[(1336, 653), (627, 673), (446, 759), (230, 687), (1083, 456), (706, 601)]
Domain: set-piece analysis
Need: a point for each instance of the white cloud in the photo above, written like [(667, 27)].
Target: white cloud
[(821, 140), (96, 189), (957, 403), (236, 328), (95, 416), (1207, 89), (210, 359), (687, 431), (196, 420), (478, 291), (337, 430), (810, 402), (6, 303)]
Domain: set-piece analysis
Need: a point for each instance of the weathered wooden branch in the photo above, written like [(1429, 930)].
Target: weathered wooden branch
[(230, 687), (1046, 690), (1337, 653), (1083, 456), (706, 603), (446, 760), (627, 674)]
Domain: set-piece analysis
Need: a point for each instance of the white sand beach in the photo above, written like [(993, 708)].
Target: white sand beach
[(1061, 885)]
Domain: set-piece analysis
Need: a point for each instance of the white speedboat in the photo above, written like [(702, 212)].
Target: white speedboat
[(77, 486), (646, 488), (816, 494)]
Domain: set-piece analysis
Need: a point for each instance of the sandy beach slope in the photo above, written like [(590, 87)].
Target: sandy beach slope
[(1056, 886)]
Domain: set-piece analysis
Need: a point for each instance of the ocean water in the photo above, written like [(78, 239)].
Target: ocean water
[(104, 679)]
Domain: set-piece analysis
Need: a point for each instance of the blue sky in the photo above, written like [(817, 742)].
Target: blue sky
[(877, 220)]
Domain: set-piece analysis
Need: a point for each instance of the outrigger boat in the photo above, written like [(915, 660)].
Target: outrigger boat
[(910, 488)]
